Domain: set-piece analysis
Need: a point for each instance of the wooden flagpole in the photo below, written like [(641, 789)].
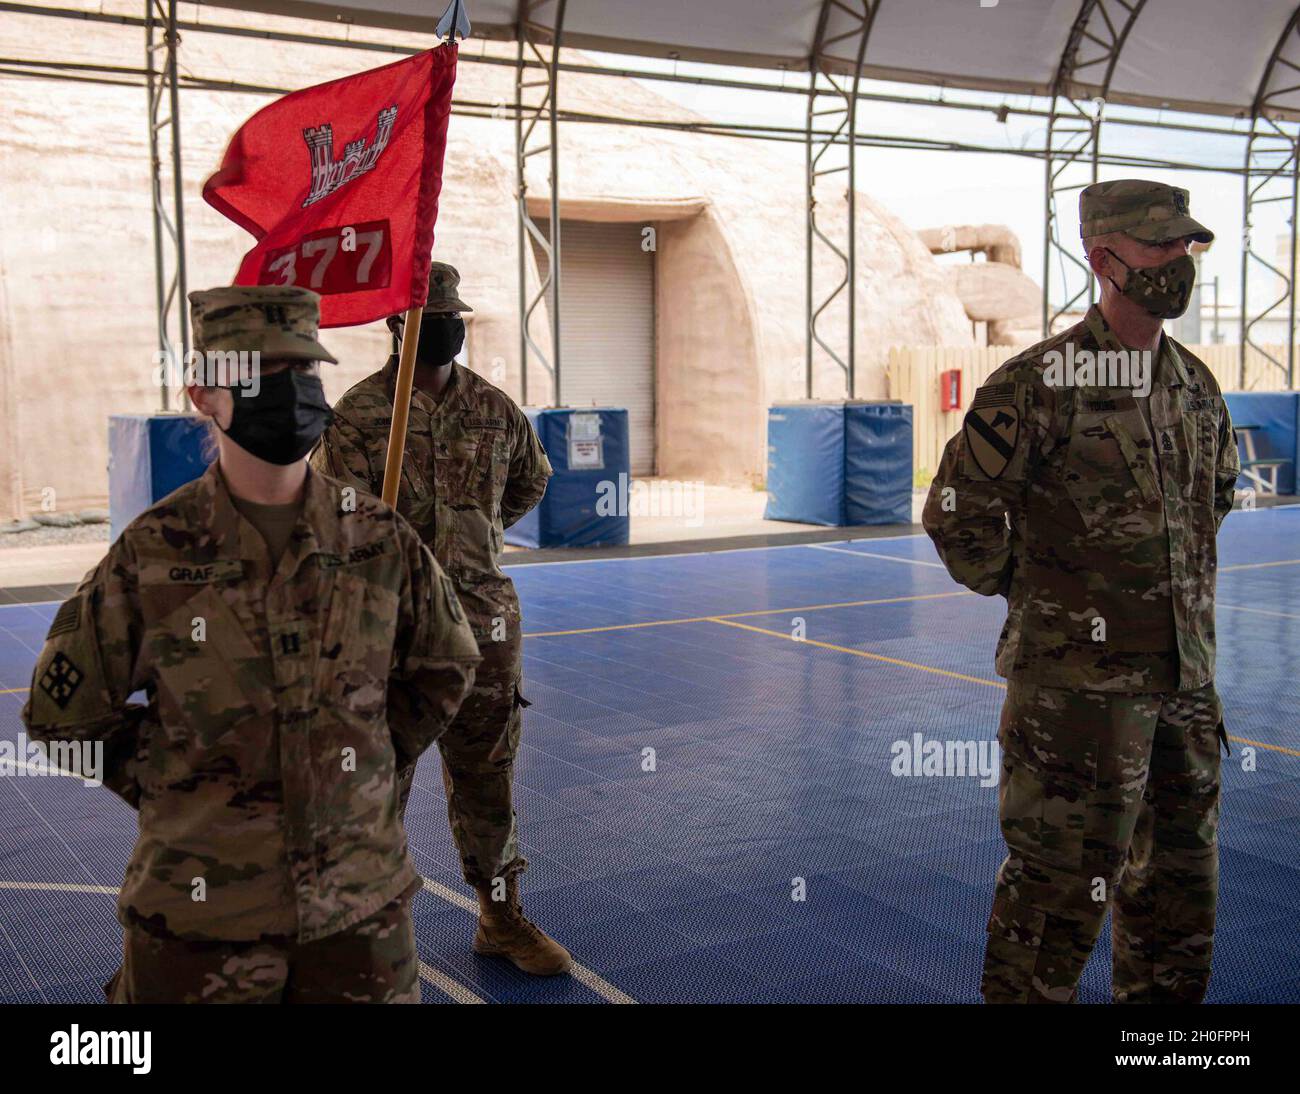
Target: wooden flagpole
[(401, 405), (456, 21)]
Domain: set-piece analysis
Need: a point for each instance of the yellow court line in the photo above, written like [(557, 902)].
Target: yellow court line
[(861, 653), (937, 672), (1260, 565), (1261, 744), (12, 691), (745, 615)]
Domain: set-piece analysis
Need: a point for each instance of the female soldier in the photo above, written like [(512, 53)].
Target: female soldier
[(299, 648)]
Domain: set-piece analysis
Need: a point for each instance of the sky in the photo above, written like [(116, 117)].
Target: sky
[(929, 189)]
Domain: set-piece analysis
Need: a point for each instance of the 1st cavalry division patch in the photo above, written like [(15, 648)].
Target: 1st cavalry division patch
[(992, 428)]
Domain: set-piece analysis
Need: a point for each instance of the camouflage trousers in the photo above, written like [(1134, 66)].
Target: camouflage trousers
[(478, 756), (1107, 802), (372, 962)]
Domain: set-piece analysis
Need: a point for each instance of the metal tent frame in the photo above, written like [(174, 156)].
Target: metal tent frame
[(1072, 152)]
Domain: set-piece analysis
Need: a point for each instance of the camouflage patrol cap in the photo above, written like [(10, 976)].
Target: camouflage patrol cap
[(275, 320), (444, 290), (1150, 211)]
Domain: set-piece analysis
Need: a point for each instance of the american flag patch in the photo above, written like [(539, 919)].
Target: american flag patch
[(67, 618), (995, 395)]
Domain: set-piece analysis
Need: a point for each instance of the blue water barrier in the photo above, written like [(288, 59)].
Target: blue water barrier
[(586, 502)]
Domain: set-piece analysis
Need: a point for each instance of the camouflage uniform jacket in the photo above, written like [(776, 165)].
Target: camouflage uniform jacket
[(280, 707), (472, 467), (1100, 535)]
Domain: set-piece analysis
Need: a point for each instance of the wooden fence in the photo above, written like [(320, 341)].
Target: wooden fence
[(913, 377)]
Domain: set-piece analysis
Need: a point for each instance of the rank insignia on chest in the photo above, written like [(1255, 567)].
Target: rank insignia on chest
[(992, 428)]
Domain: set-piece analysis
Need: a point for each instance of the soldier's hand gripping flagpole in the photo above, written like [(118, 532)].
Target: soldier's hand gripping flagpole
[(401, 405)]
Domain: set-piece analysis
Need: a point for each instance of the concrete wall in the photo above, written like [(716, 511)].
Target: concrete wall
[(709, 374), (76, 249)]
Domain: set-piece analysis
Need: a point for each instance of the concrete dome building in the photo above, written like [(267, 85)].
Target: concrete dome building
[(682, 259)]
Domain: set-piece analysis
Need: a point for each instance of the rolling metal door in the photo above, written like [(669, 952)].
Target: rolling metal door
[(607, 326)]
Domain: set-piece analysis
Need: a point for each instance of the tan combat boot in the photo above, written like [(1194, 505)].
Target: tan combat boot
[(504, 931)]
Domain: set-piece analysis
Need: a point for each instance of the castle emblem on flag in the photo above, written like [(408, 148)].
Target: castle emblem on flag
[(327, 173)]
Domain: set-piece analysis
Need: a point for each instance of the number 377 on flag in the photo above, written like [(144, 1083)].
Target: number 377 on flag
[(356, 258), (339, 185)]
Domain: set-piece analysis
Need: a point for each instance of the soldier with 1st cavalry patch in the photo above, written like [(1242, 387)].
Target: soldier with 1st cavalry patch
[(296, 653), (1087, 486), (473, 466)]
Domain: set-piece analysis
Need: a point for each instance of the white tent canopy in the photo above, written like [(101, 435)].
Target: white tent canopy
[(1195, 55)]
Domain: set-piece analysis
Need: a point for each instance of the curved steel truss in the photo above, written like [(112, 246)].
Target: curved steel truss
[(1269, 176), (1073, 143), (833, 102), (535, 107)]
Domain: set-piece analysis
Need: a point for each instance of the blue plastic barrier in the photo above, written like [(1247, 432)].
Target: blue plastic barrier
[(586, 502), (838, 463), (1277, 414), (805, 463), (878, 463), (149, 456)]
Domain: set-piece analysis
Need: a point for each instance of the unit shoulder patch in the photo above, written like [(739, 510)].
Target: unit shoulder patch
[(61, 679), (992, 428)]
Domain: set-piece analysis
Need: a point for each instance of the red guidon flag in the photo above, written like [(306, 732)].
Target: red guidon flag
[(339, 184)]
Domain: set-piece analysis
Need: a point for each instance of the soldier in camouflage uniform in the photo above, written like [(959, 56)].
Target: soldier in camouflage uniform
[(473, 466), (1093, 507), (297, 647)]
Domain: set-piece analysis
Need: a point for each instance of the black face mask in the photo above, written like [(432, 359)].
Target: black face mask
[(441, 337), (284, 420)]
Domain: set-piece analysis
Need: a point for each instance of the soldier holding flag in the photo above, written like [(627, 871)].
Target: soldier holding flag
[(472, 467)]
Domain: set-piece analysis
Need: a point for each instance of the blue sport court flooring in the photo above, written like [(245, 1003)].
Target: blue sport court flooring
[(689, 769)]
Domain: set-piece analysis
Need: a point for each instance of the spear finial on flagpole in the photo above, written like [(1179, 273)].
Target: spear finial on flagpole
[(454, 21)]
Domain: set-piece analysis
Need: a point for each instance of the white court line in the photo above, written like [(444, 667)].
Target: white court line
[(1257, 611), (580, 973), (59, 887), (870, 554), (437, 978), (448, 986), (48, 769)]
